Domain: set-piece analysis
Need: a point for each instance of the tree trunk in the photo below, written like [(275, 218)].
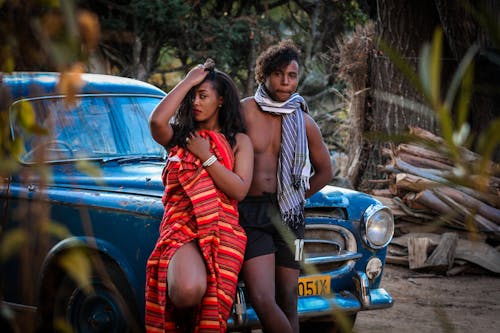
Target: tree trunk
[(396, 22), (406, 25), (463, 30)]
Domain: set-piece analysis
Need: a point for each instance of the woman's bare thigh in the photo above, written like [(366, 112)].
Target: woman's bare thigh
[(187, 267)]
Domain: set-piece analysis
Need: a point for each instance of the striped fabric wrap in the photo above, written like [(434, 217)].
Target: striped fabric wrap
[(196, 210), (294, 167)]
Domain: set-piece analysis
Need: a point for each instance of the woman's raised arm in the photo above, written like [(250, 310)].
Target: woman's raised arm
[(159, 120)]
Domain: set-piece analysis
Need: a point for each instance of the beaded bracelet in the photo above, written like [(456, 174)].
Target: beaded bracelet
[(211, 160)]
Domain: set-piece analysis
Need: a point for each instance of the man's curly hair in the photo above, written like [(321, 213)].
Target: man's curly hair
[(274, 58)]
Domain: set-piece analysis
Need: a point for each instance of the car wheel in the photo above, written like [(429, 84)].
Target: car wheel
[(106, 305), (344, 325)]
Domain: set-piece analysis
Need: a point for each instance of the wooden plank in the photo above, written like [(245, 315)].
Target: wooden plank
[(476, 252), (443, 255), (417, 251)]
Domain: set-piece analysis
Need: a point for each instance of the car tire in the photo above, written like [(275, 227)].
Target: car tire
[(106, 305), (329, 326)]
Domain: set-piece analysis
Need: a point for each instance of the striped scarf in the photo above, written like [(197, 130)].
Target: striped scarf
[(294, 168)]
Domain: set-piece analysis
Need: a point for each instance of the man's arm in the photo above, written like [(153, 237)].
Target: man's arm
[(319, 156)]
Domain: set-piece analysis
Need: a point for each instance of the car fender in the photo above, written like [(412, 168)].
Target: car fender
[(100, 246)]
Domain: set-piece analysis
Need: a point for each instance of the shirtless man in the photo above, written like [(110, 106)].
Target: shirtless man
[(291, 162)]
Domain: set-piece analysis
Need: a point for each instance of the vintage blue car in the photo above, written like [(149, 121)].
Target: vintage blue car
[(91, 184)]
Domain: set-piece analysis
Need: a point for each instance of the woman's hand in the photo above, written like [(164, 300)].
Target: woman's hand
[(198, 73), (199, 146)]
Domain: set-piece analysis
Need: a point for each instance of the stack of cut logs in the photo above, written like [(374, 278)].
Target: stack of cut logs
[(428, 192)]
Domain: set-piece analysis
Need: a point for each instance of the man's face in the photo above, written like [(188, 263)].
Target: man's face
[(282, 83)]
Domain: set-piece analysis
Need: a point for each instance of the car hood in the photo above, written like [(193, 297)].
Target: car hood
[(144, 178), (133, 178), (354, 202)]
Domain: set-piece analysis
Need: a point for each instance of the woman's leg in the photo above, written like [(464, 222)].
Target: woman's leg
[(187, 276), (258, 275)]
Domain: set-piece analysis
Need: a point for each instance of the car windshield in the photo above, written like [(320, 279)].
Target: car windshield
[(96, 127)]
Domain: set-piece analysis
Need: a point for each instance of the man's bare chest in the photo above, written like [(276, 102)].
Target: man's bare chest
[(265, 132)]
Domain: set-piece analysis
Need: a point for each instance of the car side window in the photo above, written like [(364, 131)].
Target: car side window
[(132, 123), (107, 126), (86, 128)]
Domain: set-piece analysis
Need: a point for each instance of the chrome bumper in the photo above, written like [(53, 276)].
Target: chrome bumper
[(320, 306)]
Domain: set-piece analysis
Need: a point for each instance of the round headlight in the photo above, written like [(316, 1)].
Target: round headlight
[(378, 226)]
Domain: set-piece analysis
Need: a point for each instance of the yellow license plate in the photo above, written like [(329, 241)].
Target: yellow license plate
[(314, 285)]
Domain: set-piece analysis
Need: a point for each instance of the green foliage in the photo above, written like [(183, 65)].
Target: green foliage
[(154, 14), (352, 14), (78, 265), (40, 35), (12, 242), (173, 35)]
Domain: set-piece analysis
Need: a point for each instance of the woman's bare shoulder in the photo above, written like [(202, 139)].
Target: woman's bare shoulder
[(243, 138)]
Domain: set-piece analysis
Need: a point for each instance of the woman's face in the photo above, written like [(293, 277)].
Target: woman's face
[(282, 83), (206, 106)]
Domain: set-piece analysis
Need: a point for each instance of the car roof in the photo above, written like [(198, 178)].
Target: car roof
[(38, 84)]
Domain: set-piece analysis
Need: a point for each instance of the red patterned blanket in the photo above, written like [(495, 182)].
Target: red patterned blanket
[(196, 209)]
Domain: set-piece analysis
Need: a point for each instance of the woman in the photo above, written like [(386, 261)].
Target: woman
[(193, 270)]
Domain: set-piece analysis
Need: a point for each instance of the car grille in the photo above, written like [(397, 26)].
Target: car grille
[(327, 247)]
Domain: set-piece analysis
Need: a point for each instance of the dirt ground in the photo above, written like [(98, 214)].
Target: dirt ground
[(434, 303), (468, 303)]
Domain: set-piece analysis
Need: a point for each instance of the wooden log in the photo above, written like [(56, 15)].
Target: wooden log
[(395, 191), (426, 158), (465, 154), (481, 208), (384, 192), (431, 174), (445, 212), (426, 135), (391, 204), (410, 200), (423, 152), (381, 181), (493, 183), (389, 169), (434, 228), (483, 223), (423, 162), (387, 152), (423, 213), (442, 257), (414, 183), (455, 213), (432, 202), (397, 260), (439, 177)]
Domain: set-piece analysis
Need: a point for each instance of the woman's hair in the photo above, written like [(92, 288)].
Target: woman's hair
[(230, 119), (274, 58)]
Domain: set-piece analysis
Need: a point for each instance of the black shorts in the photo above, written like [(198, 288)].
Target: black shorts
[(266, 233)]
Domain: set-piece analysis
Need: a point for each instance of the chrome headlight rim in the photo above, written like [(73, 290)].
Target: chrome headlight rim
[(369, 213)]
